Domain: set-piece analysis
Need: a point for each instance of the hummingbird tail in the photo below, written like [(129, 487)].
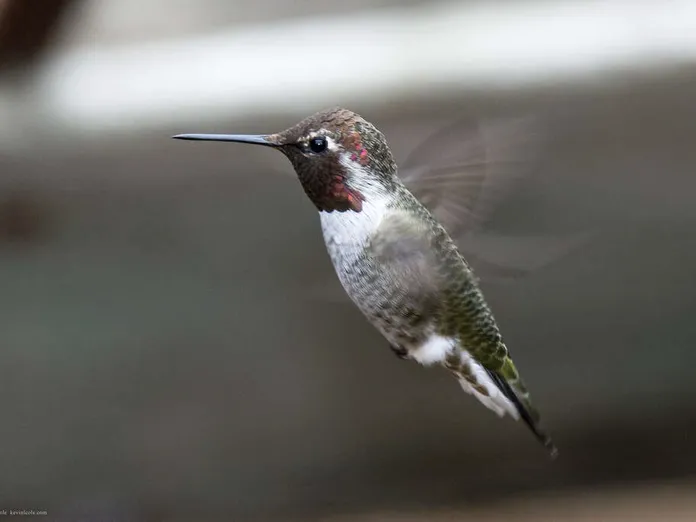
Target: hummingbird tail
[(517, 393), (475, 380), (501, 391)]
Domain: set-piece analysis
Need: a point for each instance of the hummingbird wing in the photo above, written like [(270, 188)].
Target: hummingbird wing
[(510, 257), (464, 172)]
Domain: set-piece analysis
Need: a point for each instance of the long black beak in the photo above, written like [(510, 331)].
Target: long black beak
[(256, 139)]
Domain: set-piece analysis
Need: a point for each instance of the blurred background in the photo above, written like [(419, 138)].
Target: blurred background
[(162, 355)]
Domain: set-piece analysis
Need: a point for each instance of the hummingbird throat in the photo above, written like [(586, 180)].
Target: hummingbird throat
[(334, 187), (341, 197)]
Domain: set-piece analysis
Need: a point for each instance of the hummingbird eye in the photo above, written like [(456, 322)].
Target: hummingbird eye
[(318, 144)]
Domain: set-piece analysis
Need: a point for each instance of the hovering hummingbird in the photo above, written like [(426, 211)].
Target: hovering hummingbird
[(396, 261)]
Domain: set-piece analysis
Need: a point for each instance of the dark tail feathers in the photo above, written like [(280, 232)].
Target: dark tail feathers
[(528, 416)]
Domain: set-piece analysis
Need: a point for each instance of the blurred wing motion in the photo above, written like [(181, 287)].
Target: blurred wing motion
[(496, 256), (464, 173)]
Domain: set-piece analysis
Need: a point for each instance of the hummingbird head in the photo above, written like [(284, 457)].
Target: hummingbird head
[(340, 158)]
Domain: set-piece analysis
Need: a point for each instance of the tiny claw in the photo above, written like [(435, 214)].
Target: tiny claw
[(400, 352)]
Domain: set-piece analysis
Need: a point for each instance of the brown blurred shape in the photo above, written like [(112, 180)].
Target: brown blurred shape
[(27, 28), (22, 218)]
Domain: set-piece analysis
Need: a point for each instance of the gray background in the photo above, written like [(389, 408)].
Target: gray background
[(163, 358)]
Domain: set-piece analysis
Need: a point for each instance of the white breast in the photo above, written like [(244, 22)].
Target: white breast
[(348, 232)]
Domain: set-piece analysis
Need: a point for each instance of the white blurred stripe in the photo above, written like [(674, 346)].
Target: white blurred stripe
[(302, 65)]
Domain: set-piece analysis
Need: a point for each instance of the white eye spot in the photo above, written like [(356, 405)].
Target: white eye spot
[(332, 145)]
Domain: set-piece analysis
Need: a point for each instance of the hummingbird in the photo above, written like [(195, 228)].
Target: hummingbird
[(396, 261)]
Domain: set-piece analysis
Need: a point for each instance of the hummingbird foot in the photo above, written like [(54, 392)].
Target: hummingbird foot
[(399, 351)]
